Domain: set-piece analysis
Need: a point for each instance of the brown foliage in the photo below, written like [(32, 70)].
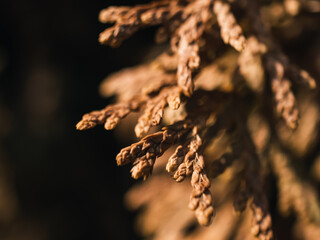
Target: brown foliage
[(227, 130)]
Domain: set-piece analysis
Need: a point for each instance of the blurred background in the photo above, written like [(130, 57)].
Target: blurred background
[(56, 182)]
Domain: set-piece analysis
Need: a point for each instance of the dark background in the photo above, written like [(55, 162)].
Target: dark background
[(63, 184)]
